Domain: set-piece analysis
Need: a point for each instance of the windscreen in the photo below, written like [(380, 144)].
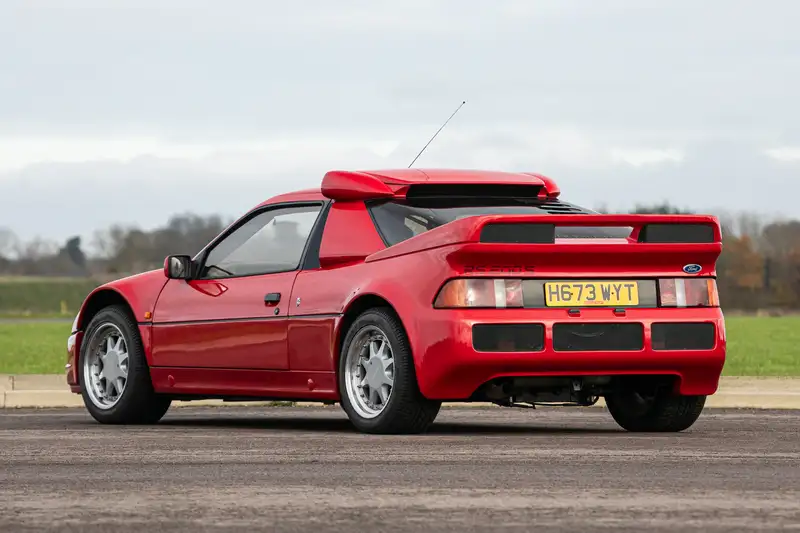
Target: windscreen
[(398, 220)]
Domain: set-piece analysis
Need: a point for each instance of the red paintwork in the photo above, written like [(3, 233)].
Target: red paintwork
[(242, 348), (341, 243), (140, 291), (254, 335), (448, 367), (347, 185), (550, 188), (253, 383)]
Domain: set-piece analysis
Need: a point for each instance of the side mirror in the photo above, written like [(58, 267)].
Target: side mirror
[(178, 267)]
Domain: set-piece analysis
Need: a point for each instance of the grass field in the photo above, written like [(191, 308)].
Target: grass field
[(757, 346), (33, 348), (43, 296)]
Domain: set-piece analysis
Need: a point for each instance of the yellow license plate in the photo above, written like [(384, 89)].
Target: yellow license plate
[(591, 293)]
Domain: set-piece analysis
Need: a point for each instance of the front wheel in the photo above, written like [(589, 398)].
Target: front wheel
[(377, 380), (114, 376), (661, 411)]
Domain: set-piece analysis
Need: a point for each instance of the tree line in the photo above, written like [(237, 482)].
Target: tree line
[(759, 267), (118, 250)]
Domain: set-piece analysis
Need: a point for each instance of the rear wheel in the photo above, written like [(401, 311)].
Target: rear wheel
[(114, 376), (377, 380), (658, 411)]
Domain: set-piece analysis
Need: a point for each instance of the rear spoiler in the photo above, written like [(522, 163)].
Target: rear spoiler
[(541, 229), (649, 233)]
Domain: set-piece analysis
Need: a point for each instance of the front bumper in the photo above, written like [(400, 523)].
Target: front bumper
[(449, 368), (73, 348)]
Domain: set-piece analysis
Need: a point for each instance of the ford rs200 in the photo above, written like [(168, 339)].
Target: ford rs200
[(391, 292)]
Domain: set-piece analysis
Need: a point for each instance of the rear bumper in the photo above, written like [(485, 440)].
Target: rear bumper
[(449, 368)]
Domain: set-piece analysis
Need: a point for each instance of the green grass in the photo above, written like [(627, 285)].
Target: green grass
[(763, 346), (757, 346), (33, 348), (43, 296), (27, 315)]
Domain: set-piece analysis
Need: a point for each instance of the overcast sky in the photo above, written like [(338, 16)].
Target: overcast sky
[(132, 110)]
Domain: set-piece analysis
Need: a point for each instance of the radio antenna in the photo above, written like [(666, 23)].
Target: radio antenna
[(437, 133)]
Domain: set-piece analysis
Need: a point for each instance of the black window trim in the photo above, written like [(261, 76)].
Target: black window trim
[(202, 256), (310, 258)]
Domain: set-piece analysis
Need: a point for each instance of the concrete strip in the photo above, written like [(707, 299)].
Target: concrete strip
[(734, 392), (46, 382), (44, 398), (752, 384), (754, 401)]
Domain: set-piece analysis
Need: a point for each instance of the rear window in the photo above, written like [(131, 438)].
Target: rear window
[(398, 220)]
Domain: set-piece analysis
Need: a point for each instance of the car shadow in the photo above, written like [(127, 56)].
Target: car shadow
[(329, 425)]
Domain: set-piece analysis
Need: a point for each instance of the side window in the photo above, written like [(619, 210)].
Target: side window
[(272, 241)]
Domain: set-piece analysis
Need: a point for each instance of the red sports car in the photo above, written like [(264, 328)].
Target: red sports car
[(394, 291)]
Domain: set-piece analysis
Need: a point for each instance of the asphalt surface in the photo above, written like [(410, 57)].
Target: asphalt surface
[(305, 469)]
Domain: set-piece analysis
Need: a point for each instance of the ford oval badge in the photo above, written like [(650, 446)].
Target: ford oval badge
[(692, 269)]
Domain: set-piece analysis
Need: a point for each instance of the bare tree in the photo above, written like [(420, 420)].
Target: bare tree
[(8, 243)]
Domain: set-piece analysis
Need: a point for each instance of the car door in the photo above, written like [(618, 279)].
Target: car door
[(233, 313)]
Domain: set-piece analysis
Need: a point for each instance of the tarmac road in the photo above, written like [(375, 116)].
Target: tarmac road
[(305, 469)]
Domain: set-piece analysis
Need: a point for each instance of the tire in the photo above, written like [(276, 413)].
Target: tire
[(138, 403), (405, 411), (662, 412)]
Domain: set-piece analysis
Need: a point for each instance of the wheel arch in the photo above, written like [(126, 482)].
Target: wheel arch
[(100, 299), (353, 310)]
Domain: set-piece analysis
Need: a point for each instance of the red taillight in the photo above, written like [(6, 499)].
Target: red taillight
[(688, 292), (480, 292)]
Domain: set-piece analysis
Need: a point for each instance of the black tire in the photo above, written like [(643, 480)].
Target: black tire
[(407, 411), (138, 403), (662, 412)]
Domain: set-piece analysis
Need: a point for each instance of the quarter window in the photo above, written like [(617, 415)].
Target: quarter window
[(272, 241)]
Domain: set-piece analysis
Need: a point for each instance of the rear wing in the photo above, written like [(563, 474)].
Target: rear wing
[(651, 229), (649, 234)]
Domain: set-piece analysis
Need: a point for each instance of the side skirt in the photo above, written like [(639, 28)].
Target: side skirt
[(222, 382)]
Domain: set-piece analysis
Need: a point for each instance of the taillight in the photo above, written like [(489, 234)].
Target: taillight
[(688, 292), (480, 292)]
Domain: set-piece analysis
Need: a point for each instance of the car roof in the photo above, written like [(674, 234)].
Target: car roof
[(410, 176)]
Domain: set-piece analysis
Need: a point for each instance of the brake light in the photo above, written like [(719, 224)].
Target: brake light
[(480, 292), (691, 292)]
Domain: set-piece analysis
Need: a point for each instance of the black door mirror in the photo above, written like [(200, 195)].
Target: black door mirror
[(178, 267)]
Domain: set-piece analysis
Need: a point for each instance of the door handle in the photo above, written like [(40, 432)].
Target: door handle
[(272, 298)]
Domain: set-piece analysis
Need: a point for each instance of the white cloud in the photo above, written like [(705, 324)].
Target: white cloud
[(784, 153), (638, 157), (491, 148), (233, 156)]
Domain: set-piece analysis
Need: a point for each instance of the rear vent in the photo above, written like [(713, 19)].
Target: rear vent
[(555, 207), (588, 337), (677, 233), (686, 336), (520, 233), (472, 190), (508, 337)]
